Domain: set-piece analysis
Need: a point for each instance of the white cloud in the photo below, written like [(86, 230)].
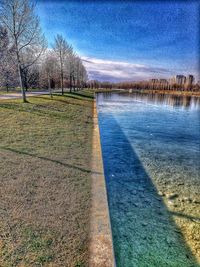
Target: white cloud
[(107, 70)]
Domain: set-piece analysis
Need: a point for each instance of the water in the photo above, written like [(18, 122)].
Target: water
[(151, 151)]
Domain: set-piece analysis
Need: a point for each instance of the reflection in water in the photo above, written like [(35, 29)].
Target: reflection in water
[(190, 102), (174, 100), (150, 162)]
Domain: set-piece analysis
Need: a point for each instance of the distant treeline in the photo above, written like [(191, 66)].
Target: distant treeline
[(142, 85), (25, 59)]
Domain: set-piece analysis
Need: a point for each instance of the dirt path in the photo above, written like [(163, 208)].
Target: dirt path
[(18, 95)]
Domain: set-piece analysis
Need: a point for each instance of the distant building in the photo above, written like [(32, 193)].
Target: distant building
[(154, 80), (190, 80), (172, 80), (154, 83), (178, 82), (163, 81), (180, 79)]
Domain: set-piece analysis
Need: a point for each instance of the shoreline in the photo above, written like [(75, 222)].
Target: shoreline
[(151, 91), (169, 92), (101, 252)]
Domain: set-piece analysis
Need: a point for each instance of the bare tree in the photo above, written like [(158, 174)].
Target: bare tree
[(7, 62), (50, 67), (31, 77), (80, 73), (18, 16), (83, 77), (62, 50)]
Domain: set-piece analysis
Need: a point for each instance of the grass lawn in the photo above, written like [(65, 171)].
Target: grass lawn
[(45, 176)]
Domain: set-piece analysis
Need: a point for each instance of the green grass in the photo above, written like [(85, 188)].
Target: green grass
[(45, 176)]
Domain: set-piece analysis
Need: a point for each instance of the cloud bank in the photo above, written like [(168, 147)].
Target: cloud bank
[(115, 71)]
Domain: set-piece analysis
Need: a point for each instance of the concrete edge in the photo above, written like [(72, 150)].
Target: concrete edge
[(101, 253)]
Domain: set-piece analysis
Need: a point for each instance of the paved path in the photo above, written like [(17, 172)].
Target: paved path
[(19, 95)]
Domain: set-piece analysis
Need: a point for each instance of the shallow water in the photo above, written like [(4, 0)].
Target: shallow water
[(151, 150)]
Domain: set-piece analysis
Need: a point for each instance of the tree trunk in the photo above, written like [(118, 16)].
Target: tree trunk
[(74, 85), (61, 73), (61, 81), (70, 83), (20, 73), (21, 84), (49, 84)]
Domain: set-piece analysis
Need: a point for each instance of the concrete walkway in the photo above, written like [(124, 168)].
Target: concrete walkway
[(19, 95), (101, 246)]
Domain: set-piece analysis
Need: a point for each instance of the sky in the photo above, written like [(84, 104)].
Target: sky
[(127, 40)]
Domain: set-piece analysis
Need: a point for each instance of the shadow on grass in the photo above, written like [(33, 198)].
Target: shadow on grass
[(33, 110), (65, 101), (48, 159), (84, 94), (144, 232), (75, 96), (71, 232), (35, 107), (42, 110)]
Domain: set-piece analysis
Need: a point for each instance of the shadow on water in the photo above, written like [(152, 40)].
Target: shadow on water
[(144, 233)]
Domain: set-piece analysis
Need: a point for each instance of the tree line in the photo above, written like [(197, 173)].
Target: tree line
[(141, 85), (25, 59)]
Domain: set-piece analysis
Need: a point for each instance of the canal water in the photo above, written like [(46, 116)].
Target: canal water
[(151, 151)]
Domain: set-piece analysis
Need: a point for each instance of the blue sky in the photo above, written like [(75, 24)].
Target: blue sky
[(127, 40)]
